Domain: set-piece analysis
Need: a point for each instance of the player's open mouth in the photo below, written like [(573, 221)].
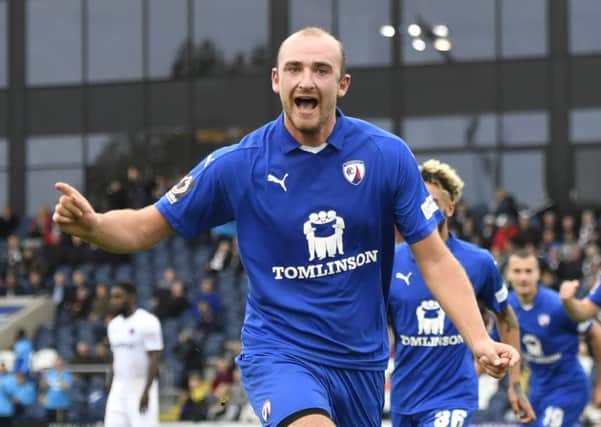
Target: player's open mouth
[(305, 103)]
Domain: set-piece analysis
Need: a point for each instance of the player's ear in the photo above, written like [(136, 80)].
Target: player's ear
[(275, 80), (344, 84)]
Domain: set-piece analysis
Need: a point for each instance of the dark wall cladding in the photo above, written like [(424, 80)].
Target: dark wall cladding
[(240, 101), (524, 85), (3, 113), (113, 108), (585, 87), (456, 88), (56, 110), (169, 104), (369, 94)]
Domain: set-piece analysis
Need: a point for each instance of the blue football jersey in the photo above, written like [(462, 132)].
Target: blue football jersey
[(595, 294), (315, 234), (433, 367), (550, 341)]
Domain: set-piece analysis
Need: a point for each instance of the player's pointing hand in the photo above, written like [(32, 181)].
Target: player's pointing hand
[(73, 213)]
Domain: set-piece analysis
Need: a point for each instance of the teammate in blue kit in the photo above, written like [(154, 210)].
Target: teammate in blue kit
[(580, 309), (315, 195), (434, 382), (559, 387)]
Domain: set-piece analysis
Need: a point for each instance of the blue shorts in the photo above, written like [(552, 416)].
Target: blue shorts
[(451, 416), (283, 388), (558, 410)]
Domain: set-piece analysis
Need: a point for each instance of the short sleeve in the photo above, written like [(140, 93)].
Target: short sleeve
[(495, 291), (200, 200), (595, 295), (416, 213), (153, 335)]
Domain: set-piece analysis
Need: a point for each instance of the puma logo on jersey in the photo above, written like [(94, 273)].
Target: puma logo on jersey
[(404, 277), (276, 180)]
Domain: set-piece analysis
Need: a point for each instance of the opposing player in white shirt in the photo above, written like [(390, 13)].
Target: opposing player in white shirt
[(136, 341)]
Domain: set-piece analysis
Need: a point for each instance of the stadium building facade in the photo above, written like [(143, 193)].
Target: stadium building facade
[(509, 93)]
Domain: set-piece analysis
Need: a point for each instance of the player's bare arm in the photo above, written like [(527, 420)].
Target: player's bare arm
[(153, 371), (595, 340), (578, 309), (509, 331), (448, 282), (119, 231)]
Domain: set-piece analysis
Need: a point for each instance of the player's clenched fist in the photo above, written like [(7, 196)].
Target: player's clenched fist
[(73, 213), (568, 289)]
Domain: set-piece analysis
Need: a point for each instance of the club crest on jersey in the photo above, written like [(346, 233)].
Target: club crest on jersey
[(354, 171), (180, 189), (266, 411), (544, 319)]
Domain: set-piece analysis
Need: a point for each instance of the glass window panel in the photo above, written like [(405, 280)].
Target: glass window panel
[(585, 31), (310, 13), (3, 153), (588, 174), (3, 189), (523, 175), (115, 39), (524, 28), (526, 128), (54, 41), (382, 122), (99, 145), (476, 170), (240, 45), (585, 125), (54, 150), (359, 24), (40, 186), (168, 31), (470, 24), (3, 45), (449, 131)]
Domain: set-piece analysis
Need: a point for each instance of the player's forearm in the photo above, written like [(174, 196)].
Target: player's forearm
[(509, 332), (125, 230), (153, 370), (579, 310), (595, 340), (451, 287)]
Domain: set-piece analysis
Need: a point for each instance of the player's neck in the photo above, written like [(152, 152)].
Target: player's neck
[(129, 312), (527, 298), (311, 139)]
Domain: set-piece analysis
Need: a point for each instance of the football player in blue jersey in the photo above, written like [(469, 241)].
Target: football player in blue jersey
[(559, 388), (314, 194), (434, 382)]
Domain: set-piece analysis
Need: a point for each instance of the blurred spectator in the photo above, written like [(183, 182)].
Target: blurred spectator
[(23, 348), (190, 352), (41, 227), (33, 261), (209, 295), (11, 287), (136, 189), (527, 234), (222, 257), (8, 222), (116, 196), (588, 226), (549, 279), (237, 398), (159, 187), (505, 232), (550, 222), (24, 394), (14, 255), (7, 408), (173, 304), (57, 384), (79, 309), (100, 308), (568, 226), (488, 230), (35, 284), (505, 205), (195, 405), (570, 267), (223, 372), (102, 353), (59, 289), (83, 355), (217, 401), (207, 321)]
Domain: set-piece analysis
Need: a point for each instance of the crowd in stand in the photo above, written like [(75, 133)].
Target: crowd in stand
[(198, 289)]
